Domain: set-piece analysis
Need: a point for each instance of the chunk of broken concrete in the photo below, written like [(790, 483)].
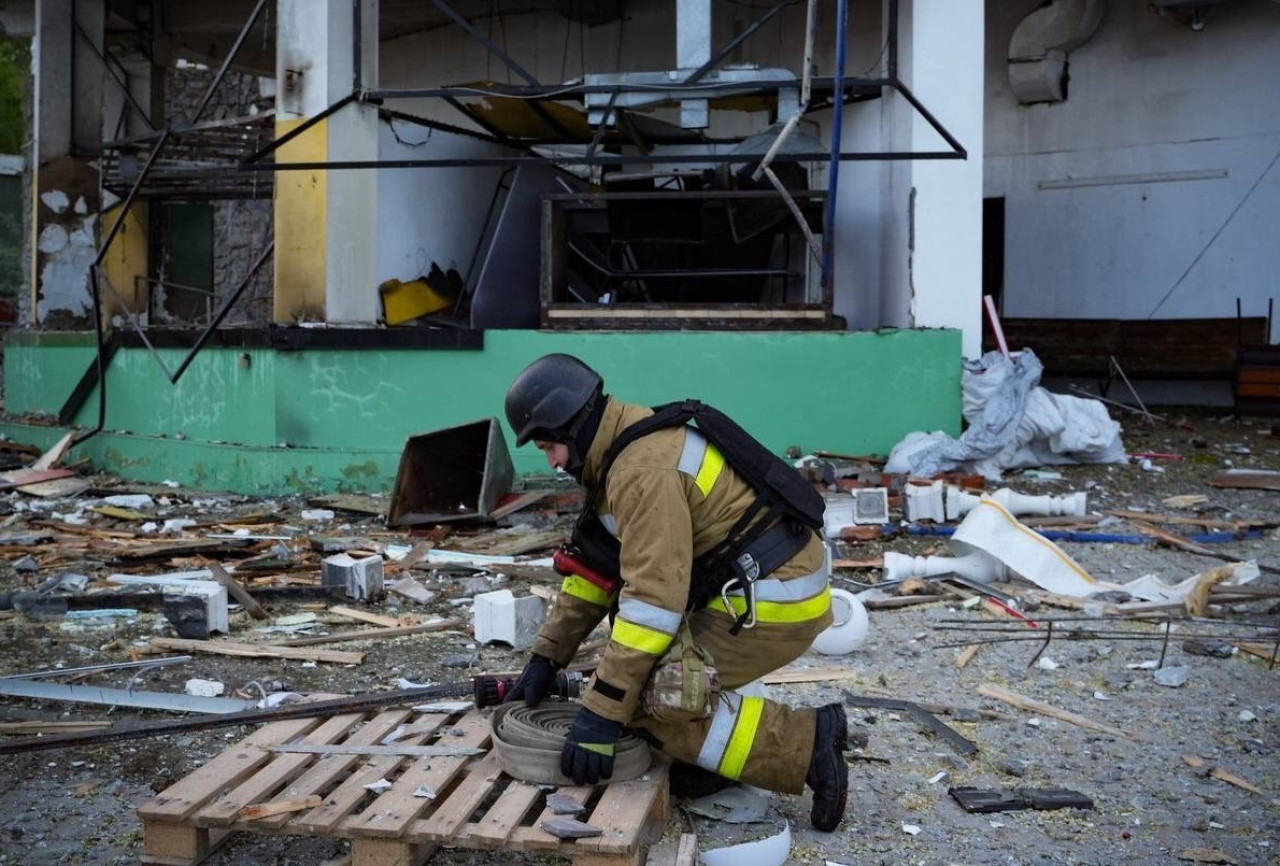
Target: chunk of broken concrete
[(570, 828), (500, 616), (563, 804)]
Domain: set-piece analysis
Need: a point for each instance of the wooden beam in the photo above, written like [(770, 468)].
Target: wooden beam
[(258, 651), (237, 590), (1032, 705), (1223, 775), (375, 633)]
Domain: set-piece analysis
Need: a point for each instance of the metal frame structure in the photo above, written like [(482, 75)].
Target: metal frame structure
[(841, 88)]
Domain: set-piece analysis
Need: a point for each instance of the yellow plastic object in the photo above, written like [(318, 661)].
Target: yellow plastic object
[(403, 302)]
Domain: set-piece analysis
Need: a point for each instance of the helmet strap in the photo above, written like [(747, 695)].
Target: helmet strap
[(582, 432)]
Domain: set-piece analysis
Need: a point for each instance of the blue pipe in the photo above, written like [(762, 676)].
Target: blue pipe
[(837, 122), (1098, 537)]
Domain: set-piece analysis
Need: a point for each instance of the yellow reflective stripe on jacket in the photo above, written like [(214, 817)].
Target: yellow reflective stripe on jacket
[(640, 638), (701, 460), (778, 611), (580, 587), (731, 735)]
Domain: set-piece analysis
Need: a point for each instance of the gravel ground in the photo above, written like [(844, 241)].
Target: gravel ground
[(77, 805)]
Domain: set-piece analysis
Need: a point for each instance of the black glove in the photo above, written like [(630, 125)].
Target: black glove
[(588, 749), (535, 681)]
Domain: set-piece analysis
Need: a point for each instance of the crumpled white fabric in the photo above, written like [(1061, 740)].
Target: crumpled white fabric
[(1012, 423)]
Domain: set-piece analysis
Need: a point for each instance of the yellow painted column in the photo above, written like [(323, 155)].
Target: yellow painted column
[(326, 221), (126, 263), (301, 226)]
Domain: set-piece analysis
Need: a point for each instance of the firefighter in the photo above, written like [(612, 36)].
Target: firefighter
[(676, 655)]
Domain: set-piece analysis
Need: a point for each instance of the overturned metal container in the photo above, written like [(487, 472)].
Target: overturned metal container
[(456, 474)]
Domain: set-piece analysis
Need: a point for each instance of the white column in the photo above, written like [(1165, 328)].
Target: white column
[(67, 118), (326, 221), (933, 244)]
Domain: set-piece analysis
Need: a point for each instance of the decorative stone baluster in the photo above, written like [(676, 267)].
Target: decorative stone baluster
[(961, 502)]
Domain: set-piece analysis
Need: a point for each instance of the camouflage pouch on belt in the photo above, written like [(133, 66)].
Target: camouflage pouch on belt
[(685, 685)]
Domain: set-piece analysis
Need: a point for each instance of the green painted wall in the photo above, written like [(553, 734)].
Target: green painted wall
[(267, 421)]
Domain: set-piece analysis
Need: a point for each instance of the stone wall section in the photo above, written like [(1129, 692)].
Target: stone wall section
[(241, 228)]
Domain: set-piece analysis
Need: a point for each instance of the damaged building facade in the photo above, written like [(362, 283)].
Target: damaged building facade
[(791, 210)]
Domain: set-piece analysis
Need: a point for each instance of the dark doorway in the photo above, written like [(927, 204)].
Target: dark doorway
[(188, 261), (993, 250)]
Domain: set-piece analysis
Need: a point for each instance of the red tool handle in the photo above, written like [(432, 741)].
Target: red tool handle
[(565, 562)]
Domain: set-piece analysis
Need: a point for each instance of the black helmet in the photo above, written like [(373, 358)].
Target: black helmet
[(546, 398)]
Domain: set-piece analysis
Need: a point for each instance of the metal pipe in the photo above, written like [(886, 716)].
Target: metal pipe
[(560, 159), (565, 91), (837, 131), (742, 37), (231, 55)]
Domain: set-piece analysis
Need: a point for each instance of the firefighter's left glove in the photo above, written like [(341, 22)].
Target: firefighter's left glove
[(588, 749)]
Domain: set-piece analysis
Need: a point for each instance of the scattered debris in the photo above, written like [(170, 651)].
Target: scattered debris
[(977, 800)]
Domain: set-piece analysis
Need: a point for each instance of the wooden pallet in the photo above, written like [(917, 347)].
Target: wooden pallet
[(476, 804)]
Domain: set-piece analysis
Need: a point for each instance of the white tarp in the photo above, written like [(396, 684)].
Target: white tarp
[(1012, 423)]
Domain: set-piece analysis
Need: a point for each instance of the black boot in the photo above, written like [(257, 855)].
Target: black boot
[(689, 781), (828, 773)]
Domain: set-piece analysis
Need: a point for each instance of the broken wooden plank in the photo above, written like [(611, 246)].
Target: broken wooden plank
[(1035, 706), (358, 502), (1255, 479), (54, 455), (237, 590), (58, 488), (1183, 520), (253, 650), (517, 502), (901, 601), (257, 811), (375, 633), (194, 547), (369, 617), (18, 477), (1222, 775), (1264, 651), (863, 562), (966, 655), (808, 675)]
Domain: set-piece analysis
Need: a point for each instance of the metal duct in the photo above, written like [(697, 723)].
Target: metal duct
[(1040, 45)]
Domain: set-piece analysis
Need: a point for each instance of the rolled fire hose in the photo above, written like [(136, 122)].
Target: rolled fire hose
[(528, 742)]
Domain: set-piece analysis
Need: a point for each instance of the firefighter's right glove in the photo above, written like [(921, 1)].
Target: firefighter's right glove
[(536, 680)]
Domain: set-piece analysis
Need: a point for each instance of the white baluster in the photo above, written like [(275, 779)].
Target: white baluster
[(960, 502), (979, 566)]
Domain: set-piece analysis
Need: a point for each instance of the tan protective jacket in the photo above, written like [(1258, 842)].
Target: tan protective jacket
[(670, 497)]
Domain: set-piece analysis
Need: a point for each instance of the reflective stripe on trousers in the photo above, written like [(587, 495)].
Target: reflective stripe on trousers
[(732, 731)]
